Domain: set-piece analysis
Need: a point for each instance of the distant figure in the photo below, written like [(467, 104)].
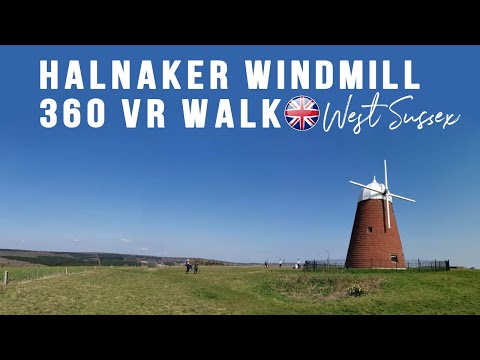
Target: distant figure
[(266, 263), (280, 263), (195, 267), (188, 265), (298, 264)]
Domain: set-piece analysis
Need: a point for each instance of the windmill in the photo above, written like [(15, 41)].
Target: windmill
[(375, 240)]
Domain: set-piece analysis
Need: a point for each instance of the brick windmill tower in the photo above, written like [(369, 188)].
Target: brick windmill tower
[(375, 240)]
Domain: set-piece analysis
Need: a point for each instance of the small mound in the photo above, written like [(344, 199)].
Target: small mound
[(325, 286)]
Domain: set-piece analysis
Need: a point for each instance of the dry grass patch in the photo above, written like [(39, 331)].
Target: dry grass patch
[(326, 286)]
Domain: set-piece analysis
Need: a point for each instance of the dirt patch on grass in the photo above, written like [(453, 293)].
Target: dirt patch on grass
[(325, 287)]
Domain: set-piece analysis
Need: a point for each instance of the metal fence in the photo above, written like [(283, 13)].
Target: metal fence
[(29, 273), (433, 265), (313, 265)]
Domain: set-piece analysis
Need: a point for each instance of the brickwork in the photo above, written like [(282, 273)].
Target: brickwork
[(372, 243)]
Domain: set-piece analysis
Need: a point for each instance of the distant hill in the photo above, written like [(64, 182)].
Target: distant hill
[(13, 257)]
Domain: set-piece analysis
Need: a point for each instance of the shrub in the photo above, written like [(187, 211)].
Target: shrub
[(356, 290)]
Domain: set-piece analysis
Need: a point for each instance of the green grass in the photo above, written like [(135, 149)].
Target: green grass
[(34, 272), (243, 290)]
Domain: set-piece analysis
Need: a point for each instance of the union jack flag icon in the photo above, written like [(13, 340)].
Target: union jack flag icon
[(302, 113)]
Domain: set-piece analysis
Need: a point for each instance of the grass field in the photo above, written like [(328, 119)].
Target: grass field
[(243, 290)]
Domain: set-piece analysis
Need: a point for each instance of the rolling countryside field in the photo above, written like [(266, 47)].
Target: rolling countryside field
[(238, 290)]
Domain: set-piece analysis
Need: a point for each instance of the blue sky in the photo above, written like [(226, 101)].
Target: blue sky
[(237, 194)]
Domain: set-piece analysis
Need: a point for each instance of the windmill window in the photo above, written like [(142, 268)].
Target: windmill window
[(393, 257), (370, 229)]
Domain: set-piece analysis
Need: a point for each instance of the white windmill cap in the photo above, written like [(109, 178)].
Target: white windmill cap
[(367, 194)]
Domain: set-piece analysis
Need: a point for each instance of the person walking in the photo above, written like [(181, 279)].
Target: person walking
[(280, 263), (298, 263), (188, 265)]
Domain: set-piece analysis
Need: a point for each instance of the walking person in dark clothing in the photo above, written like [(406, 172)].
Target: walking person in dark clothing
[(188, 265), (195, 267)]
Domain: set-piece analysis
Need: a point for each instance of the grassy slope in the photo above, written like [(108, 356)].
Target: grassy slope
[(239, 290)]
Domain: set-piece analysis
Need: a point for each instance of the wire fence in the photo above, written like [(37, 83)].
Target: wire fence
[(418, 264), (29, 273), (435, 265)]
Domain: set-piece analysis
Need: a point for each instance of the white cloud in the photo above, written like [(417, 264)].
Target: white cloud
[(126, 241)]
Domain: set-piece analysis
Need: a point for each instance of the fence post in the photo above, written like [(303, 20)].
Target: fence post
[(435, 264), (447, 264), (418, 264), (5, 278), (66, 270)]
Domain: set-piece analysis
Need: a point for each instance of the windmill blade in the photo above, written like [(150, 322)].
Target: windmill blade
[(388, 210), (386, 178), (366, 187), (401, 197)]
